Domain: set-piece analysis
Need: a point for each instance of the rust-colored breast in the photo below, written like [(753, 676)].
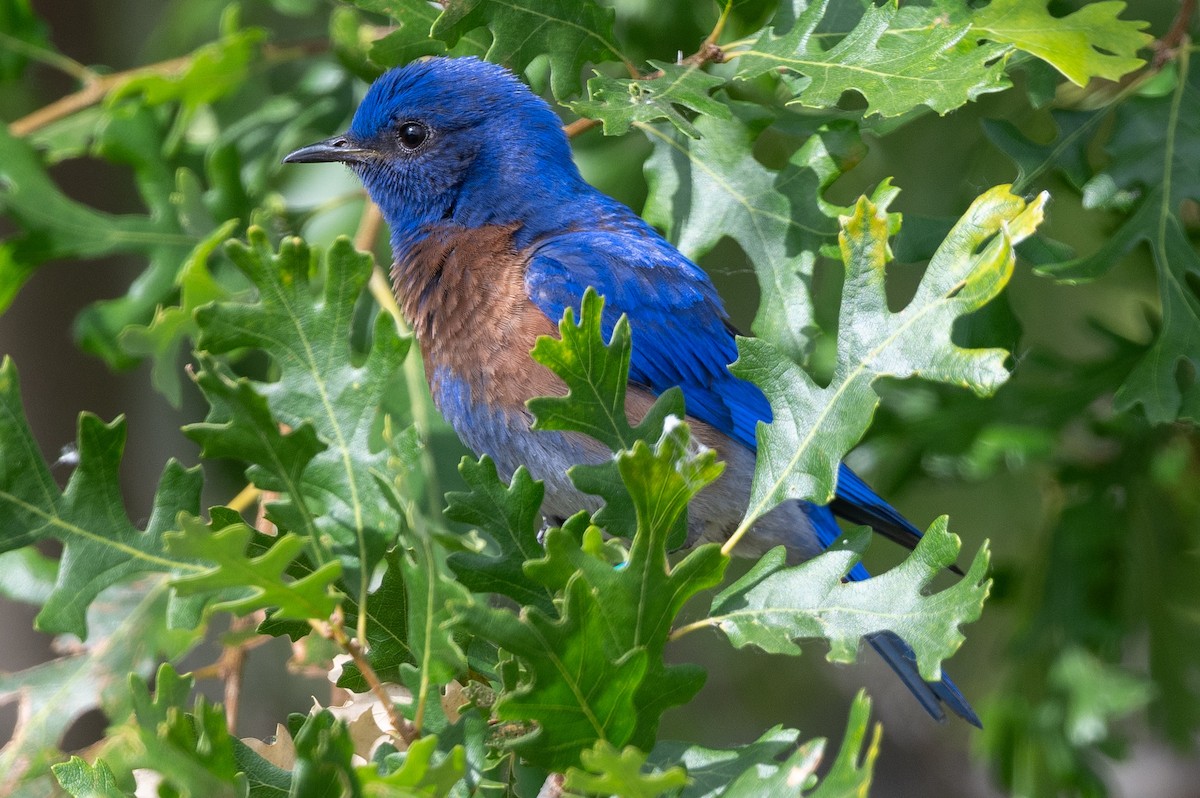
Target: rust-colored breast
[(463, 291)]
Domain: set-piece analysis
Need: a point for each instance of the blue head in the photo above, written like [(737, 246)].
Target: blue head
[(454, 140)]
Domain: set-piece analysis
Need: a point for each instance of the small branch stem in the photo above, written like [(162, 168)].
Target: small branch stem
[(335, 630), (233, 666), (1164, 48), (99, 87), (245, 499), (708, 52), (687, 629)]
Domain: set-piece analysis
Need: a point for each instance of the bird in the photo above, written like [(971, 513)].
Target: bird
[(495, 233)]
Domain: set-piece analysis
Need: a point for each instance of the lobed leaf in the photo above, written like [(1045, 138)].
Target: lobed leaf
[(511, 516), (569, 33), (596, 374), (620, 102), (607, 771), (321, 391), (773, 605), (1090, 42), (101, 546), (897, 59), (814, 426), (258, 581)]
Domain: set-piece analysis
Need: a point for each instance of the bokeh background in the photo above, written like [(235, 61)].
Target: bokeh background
[(931, 453)]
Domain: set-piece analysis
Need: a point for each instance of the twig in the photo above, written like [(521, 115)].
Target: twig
[(233, 662), (335, 630), (89, 95), (708, 53), (245, 499), (100, 87), (1164, 48)]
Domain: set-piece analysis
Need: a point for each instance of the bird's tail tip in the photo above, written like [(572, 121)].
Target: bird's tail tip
[(931, 695)]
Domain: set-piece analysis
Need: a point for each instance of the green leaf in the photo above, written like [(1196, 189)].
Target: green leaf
[(575, 692), (240, 426), (27, 575), (570, 33), (897, 59), (1152, 175), (620, 102), (596, 671), (411, 38), (129, 634), (777, 217), (324, 750), (422, 772), (511, 516), (163, 337), (848, 777), (773, 605), (1090, 42), (710, 771), (320, 384), (1097, 694), (597, 378), (102, 547), (192, 752), (82, 780), (814, 426), (388, 629), (1067, 152), (55, 226), (24, 34), (260, 580), (607, 771)]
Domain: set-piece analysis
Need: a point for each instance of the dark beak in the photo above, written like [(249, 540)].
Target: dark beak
[(339, 149)]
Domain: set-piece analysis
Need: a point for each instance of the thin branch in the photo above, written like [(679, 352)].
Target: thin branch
[(1166, 47), (708, 53), (95, 91), (695, 626), (233, 662), (89, 95), (335, 630), (245, 499)]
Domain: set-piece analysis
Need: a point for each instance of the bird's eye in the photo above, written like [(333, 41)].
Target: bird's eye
[(412, 135)]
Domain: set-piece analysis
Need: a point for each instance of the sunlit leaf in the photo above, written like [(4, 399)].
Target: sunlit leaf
[(813, 425), (1090, 42), (896, 59), (605, 770), (320, 386), (773, 605), (260, 579)]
